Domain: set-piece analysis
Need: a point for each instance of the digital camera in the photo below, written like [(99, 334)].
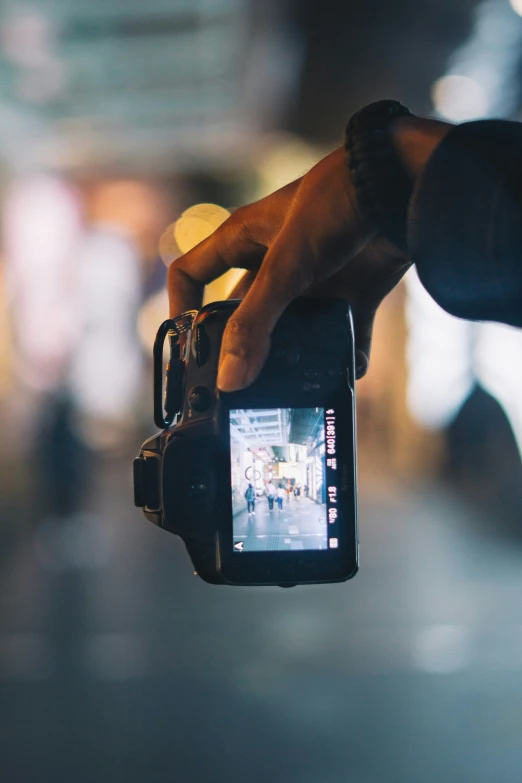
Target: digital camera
[(259, 483)]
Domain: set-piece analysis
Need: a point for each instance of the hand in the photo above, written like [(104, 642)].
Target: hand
[(365, 281), (307, 238)]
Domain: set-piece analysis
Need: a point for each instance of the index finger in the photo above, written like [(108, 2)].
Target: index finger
[(188, 275), (241, 241)]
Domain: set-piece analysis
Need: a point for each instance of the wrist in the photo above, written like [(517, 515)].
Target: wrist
[(414, 139)]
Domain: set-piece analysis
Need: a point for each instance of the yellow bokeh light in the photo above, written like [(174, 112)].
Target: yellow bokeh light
[(192, 227), (197, 223)]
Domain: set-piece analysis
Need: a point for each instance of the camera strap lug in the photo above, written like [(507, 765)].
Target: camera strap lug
[(166, 407)]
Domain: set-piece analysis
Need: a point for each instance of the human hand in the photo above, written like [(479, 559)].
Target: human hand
[(364, 282), (307, 238)]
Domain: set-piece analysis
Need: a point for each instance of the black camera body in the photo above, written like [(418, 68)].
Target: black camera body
[(260, 483)]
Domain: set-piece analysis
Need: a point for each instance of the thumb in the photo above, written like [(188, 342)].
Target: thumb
[(244, 350), (246, 340)]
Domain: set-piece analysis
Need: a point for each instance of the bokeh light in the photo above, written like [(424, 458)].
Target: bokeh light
[(516, 5), (459, 98)]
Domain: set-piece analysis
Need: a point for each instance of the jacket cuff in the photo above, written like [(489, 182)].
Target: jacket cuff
[(464, 227)]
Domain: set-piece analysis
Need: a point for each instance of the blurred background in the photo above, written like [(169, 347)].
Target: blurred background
[(116, 663)]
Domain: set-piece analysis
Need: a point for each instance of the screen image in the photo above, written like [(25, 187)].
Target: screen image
[(280, 497)]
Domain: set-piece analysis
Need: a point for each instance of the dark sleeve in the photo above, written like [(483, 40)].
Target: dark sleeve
[(465, 222)]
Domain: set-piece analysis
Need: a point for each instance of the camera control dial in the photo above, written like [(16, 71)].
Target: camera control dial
[(199, 399)]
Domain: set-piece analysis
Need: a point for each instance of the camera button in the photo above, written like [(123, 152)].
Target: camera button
[(311, 375), (202, 345), (199, 399)]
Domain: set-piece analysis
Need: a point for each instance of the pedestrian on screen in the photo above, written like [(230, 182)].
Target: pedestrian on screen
[(280, 496), (270, 493), (250, 496)]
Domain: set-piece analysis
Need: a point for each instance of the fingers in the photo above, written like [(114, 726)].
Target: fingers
[(365, 281), (363, 327), (246, 342), (319, 236), (283, 276), (241, 241), (187, 277), (312, 229), (377, 270)]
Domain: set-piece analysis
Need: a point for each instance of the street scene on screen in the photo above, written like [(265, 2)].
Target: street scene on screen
[(278, 479)]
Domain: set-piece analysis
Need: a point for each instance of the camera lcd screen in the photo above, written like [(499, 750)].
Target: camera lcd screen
[(283, 479)]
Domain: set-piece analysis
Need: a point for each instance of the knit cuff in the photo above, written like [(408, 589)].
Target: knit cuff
[(383, 188)]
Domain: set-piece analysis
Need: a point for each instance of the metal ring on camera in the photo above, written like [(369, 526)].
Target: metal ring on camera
[(173, 327), (182, 323)]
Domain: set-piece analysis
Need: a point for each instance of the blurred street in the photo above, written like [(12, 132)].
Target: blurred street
[(117, 664), (301, 524), (129, 132)]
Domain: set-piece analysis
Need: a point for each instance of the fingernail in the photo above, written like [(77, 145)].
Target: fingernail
[(232, 373)]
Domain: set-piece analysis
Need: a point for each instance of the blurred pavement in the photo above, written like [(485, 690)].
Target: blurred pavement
[(117, 664)]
